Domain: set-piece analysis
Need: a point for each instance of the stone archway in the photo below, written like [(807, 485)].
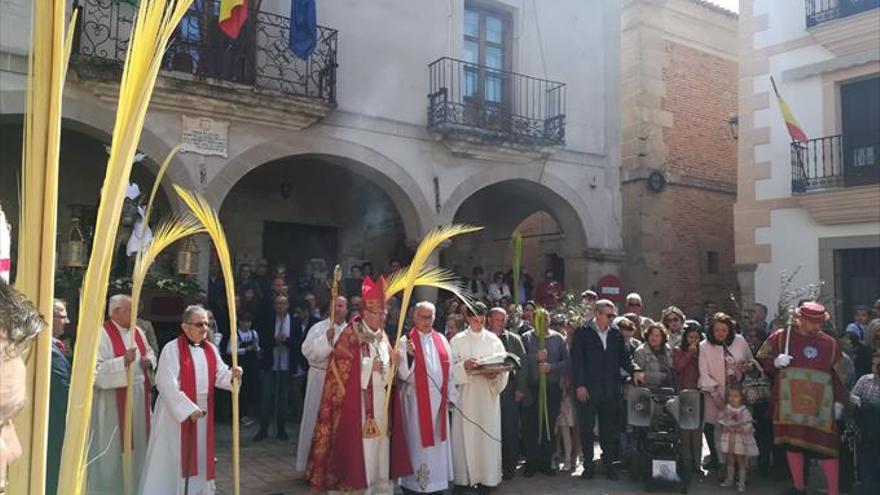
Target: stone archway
[(91, 118), (401, 187), (503, 202)]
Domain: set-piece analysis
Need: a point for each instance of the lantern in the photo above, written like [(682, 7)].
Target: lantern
[(73, 251), (188, 258)]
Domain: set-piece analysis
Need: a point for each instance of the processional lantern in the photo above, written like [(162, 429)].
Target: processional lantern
[(73, 251), (188, 258)]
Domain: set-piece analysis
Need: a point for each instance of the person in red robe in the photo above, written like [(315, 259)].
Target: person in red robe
[(808, 393), (349, 451)]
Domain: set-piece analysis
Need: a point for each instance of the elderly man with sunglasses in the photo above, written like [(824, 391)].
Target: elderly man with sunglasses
[(180, 457)]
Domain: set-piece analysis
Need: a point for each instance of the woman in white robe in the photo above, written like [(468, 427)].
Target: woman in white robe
[(162, 472)]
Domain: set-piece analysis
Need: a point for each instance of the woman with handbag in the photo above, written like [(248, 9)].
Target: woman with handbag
[(722, 361)]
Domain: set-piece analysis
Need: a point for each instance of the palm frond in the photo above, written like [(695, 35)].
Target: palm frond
[(168, 232), (158, 182), (38, 194), (516, 246), (154, 24), (211, 221)]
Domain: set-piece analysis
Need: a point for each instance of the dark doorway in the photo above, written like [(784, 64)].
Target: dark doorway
[(860, 116), (857, 280), (295, 244)]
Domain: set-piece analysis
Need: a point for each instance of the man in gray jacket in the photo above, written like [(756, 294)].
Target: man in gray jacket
[(553, 362)]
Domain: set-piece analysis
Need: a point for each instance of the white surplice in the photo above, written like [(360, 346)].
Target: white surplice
[(477, 455), (105, 474), (316, 348), (162, 473), (432, 466)]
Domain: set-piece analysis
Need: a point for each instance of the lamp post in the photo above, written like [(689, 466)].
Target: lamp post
[(733, 123)]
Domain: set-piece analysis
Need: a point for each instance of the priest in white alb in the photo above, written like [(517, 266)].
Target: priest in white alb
[(426, 373), (116, 353), (476, 421), (180, 458), (316, 347)]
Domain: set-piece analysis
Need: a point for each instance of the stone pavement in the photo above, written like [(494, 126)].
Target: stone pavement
[(267, 469)]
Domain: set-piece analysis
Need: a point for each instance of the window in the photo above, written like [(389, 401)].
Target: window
[(486, 44), (712, 262), (860, 119)]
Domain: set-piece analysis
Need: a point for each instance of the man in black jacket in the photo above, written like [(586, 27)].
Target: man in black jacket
[(597, 355)]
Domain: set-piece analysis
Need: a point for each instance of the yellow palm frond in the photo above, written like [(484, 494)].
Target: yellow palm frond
[(154, 24), (47, 68), (406, 281), (439, 278), (158, 182), (167, 233), (210, 220)]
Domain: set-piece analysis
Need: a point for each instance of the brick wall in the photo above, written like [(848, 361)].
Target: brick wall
[(701, 94)]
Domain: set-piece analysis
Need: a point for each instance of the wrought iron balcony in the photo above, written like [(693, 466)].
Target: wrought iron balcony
[(494, 106), (260, 57), (833, 162), (819, 11)]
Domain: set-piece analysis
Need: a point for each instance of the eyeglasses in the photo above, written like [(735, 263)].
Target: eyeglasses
[(671, 320), (424, 317), (633, 304), (202, 324)]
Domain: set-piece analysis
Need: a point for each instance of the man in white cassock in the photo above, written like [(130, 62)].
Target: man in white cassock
[(477, 455), (426, 372), (316, 348), (117, 351), (180, 457)]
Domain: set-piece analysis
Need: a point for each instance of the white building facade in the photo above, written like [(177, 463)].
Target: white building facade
[(810, 207), (408, 115)]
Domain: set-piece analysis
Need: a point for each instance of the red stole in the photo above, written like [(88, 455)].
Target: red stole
[(336, 458), (423, 393), (118, 351), (188, 438)]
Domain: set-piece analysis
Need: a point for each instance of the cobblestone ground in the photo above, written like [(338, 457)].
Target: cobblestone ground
[(267, 469)]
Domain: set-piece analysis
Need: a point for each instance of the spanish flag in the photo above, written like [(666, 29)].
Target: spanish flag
[(794, 129), (233, 14)]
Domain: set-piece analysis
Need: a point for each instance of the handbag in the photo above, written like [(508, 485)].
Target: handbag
[(756, 386)]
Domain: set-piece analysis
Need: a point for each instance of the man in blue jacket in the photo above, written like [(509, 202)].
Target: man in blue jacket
[(597, 355)]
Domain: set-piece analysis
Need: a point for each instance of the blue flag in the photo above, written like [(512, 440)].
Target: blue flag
[(303, 28)]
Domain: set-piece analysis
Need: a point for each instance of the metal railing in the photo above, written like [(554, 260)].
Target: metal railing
[(495, 105), (833, 162), (819, 11), (259, 57)]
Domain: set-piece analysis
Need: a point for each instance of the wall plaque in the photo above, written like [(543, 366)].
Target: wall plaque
[(204, 136)]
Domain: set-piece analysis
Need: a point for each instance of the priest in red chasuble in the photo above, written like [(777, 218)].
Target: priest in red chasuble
[(808, 393), (349, 452)]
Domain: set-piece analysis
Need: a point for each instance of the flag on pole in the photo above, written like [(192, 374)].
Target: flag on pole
[(794, 129), (233, 14)]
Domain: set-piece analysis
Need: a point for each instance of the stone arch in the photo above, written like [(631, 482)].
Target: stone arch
[(560, 200), (97, 121), (415, 212)]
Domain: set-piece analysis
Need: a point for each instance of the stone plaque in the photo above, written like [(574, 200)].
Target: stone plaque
[(204, 136)]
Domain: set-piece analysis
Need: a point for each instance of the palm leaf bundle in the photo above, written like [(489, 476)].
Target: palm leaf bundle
[(542, 319), (516, 246), (48, 60), (169, 232), (211, 222), (153, 27), (418, 273)]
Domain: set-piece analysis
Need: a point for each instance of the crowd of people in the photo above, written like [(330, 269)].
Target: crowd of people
[(460, 416)]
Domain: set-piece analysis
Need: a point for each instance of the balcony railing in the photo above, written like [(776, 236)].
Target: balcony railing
[(494, 106), (260, 57), (832, 162), (819, 11)]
